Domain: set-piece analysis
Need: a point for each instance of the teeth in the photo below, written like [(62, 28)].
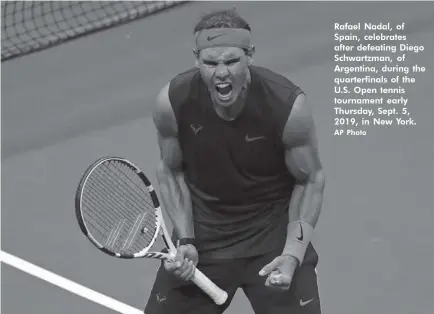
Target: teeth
[(222, 85)]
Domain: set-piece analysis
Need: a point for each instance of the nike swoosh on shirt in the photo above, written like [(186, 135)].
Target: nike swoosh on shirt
[(251, 139), (303, 303)]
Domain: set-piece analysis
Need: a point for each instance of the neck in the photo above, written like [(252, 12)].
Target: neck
[(233, 111)]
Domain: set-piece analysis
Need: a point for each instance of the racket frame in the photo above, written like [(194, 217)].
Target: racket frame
[(82, 223), (218, 295)]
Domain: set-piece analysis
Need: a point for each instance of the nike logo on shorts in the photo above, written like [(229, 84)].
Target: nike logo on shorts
[(160, 298), (303, 303)]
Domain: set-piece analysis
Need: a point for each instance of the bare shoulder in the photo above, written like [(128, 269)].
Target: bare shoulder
[(163, 114), (300, 128)]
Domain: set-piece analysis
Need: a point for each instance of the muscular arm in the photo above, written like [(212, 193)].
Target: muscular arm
[(174, 192), (303, 162)]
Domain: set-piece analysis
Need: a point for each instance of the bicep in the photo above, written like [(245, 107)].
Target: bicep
[(167, 130), (303, 163), (170, 151)]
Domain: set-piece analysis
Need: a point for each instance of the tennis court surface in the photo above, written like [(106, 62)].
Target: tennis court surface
[(66, 106)]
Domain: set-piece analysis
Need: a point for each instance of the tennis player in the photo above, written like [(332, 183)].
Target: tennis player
[(240, 178)]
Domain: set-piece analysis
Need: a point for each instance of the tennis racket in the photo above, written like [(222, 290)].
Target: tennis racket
[(118, 210)]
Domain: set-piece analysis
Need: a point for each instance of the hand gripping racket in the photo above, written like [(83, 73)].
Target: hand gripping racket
[(118, 210)]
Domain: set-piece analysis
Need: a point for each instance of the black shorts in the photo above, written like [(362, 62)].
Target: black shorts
[(173, 296)]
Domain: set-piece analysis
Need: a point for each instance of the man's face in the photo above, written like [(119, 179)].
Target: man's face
[(224, 70)]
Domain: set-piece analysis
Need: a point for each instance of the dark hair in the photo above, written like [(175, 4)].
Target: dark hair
[(222, 19)]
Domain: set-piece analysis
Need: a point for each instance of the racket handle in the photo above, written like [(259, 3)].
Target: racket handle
[(218, 295)]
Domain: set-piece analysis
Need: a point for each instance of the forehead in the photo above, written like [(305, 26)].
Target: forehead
[(221, 53)]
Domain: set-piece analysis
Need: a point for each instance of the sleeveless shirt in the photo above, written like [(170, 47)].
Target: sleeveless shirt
[(235, 170)]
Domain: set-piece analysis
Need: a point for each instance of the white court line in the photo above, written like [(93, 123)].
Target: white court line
[(67, 284)]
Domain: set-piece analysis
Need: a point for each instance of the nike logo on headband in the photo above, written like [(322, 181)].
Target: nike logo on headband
[(209, 38)]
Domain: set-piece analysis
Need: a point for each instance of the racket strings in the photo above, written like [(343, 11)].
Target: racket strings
[(147, 199), (101, 197), (104, 220), (105, 198), (118, 209), (122, 190), (139, 202), (106, 233), (138, 197), (114, 203)]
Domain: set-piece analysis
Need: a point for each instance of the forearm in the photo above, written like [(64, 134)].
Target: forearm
[(306, 202), (304, 211), (176, 200)]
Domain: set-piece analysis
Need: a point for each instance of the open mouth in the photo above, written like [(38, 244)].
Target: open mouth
[(224, 90)]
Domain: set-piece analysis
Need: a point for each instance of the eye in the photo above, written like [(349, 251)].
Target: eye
[(232, 61), (209, 62)]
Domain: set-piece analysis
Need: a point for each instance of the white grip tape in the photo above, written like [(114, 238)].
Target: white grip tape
[(218, 295)]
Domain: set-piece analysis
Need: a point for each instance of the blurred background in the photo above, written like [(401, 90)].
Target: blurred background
[(78, 79)]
